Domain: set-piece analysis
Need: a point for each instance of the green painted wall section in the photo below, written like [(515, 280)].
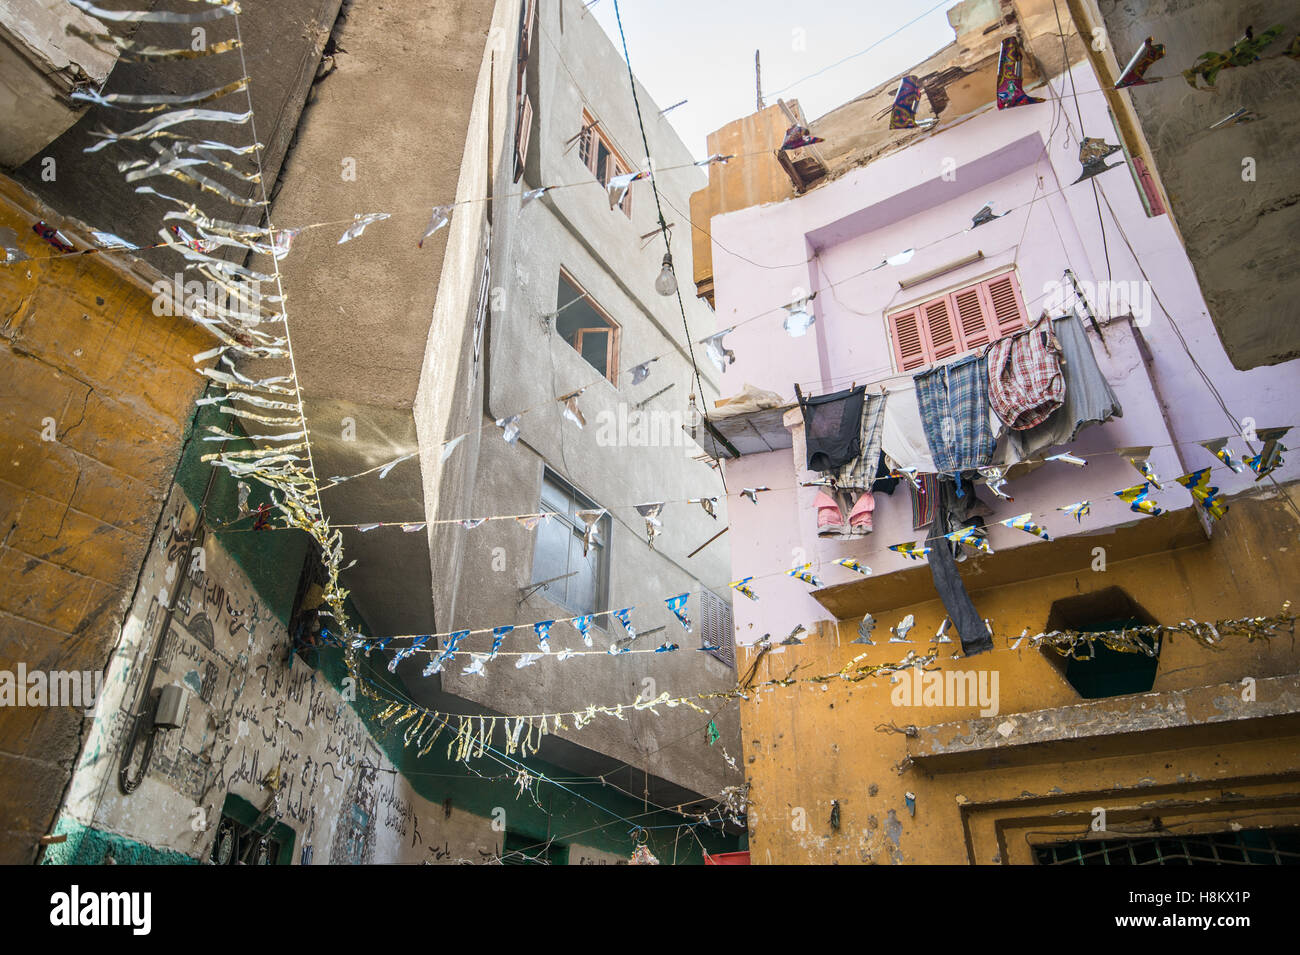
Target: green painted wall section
[(88, 846)]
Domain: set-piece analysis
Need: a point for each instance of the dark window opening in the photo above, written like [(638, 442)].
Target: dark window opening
[(249, 836), (587, 329), (1245, 847), (1106, 672), (600, 156)]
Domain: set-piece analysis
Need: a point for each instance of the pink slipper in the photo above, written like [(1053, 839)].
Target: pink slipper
[(830, 519), (861, 515)]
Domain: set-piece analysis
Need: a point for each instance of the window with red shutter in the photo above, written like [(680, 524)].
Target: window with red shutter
[(958, 322)]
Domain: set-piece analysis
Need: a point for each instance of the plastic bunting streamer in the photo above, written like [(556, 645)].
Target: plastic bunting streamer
[(718, 353), (804, 572), (1219, 448), (653, 525), (941, 635), (708, 503), (591, 535), (1093, 153), (984, 216), (477, 661), (1011, 83), (1198, 483), (642, 371), (717, 159), (1066, 458), (543, 630), (903, 113), (618, 186), (742, 587), (797, 137), (440, 216), (530, 521), (527, 660), (131, 52), (995, 479), (532, 194), (852, 563), (970, 536), (1237, 117), (865, 628), (472, 522), (1145, 639), (509, 429), (793, 639), (1024, 522), (752, 492), (899, 633), (571, 409), (1077, 510), (437, 664), (798, 319), (359, 224), (678, 606), (160, 127), (54, 237), (215, 12), (583, 626), (1136, 497), (405, 652), (1135, 73), (1269, 458), (916, 551), (156, 102), (1138, 458), (498, 638)]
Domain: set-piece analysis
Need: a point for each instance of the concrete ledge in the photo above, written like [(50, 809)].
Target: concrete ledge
[(1145, 721)]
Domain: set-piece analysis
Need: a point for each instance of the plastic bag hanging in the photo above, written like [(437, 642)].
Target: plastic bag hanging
[(571, 409), (678, 606), (1134, 74), (798, 319), (1011, 83)]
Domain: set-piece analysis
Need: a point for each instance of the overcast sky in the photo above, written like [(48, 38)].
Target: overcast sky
[(703, 51)]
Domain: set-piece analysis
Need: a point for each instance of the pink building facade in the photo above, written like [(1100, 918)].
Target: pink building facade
[(1157, 346)]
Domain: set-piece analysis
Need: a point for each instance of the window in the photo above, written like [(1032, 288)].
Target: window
[(716, 628), (604, 161), (585, 326), (1244, 847), (1107, 672), (567, 576), (957, 322), (246, 836), (523, 104)]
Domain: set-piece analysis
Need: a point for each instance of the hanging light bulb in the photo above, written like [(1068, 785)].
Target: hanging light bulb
[(666, 282)]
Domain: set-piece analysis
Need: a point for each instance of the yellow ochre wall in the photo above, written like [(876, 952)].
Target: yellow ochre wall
[(810, 744), (79, 343)]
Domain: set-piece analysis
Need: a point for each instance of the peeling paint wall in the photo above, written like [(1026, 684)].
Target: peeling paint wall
[(809, 745)]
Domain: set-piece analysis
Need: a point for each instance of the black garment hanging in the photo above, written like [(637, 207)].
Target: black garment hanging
[(970, 627), (832, 427), (884, 483)]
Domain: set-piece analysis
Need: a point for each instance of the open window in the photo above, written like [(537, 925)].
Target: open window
[(1108, 672), (599, 155), (586, 326)]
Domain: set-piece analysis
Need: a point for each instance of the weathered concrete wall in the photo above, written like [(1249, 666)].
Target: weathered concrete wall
[(84, 360), (808, 746), (1233, 190), (257, 725), (479, 573)]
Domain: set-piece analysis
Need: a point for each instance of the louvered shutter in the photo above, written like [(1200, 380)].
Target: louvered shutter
[(938, 328), (522, 132), (1005, 304), (909, 349), (716, 627), (973, 318)]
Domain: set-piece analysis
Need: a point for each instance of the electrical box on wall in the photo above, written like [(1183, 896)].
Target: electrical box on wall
[(170, 711)]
